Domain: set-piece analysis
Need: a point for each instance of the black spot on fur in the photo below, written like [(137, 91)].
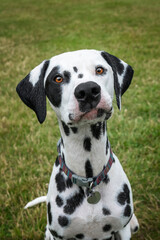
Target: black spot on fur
[(106, 211), (106, 179), (63, 221), (74, 202), (75, 69), (117, 236), (52, 89), (65, 128), (60, 182), (127, 192), (67, 76), (96, 130), (80, 75), (107, 228), (74, 129), (62, 142), (104, 127), (124, 196), (55, 234), (88, 169), (107, 146), (63, 157), (59, 201), (80, 236), (108, 238), (57, 162), (69, 183), (127, 211), (87, 144), (49, 213), (87, 192)]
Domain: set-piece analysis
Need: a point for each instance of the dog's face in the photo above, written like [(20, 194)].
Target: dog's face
[(79, 85)]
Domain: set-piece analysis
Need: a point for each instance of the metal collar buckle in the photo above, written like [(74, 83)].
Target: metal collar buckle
[(81, 181)]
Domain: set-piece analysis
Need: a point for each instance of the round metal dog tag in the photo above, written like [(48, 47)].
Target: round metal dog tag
[(94, 198)]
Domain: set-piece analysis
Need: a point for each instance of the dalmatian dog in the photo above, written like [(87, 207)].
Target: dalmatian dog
[(89, 195)]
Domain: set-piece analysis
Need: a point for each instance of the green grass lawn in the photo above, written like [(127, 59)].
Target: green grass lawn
[(31, 31)]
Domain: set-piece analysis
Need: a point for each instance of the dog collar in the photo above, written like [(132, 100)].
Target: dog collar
[(82, 181)]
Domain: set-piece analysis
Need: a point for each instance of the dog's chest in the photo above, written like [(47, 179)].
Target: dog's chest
[(69, 213)]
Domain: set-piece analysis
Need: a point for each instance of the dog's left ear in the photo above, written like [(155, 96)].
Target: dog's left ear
[(32, 92), (123, 74)]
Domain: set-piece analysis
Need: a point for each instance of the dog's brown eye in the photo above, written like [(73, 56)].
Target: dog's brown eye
[(58, 79), (99, 70)]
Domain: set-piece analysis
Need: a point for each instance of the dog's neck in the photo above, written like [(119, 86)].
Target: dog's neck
[(85, 149)]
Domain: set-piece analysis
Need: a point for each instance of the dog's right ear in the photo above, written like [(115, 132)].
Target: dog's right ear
[(32, 92), (122, 73)]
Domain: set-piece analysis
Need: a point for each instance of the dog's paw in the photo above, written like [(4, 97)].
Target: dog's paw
[(134, 224)]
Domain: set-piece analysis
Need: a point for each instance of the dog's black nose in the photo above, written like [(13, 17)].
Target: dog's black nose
[(88, 95)]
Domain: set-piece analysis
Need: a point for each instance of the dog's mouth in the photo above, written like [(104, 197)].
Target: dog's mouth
[(91, 115)]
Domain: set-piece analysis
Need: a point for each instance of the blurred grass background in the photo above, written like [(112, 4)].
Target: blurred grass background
[(31, 31)]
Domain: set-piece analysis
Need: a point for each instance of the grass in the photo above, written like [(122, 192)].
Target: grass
[(32, 31)]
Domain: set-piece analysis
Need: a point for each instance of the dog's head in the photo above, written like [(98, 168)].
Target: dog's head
[(79, 85)]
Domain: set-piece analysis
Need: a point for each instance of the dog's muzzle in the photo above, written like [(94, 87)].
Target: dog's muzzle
[(88, 95)]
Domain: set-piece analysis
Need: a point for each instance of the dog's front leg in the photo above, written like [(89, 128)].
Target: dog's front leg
[(124, 234), (48, 235)]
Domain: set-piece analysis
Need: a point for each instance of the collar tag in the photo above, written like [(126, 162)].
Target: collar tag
[(94, 198)]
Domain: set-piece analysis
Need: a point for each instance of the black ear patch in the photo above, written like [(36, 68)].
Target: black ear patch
[(122, 73), (34, 96), (127, 79)]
